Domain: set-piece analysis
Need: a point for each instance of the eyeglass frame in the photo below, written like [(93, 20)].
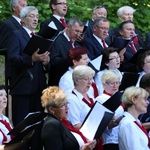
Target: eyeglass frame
[(103, 28), (99, 6), (32, 16), (61, 3), (64, 106), (113, 83)]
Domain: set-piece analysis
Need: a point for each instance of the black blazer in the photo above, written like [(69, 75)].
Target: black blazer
[(55, 136), (147, 41), (93, 46), (26, 77), (44, 28), (59, 62), (6, 27)]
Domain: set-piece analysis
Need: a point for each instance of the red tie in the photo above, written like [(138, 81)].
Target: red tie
[(144, 130), (32, 33), (73, 129), (71, 43), (133, 47), (104, 44), (63, 22)]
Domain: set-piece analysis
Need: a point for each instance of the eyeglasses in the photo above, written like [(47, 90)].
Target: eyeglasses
[(61, 3), (32, 16), (87, 79), (103, 28), (114, 58), (64, 106), (113, 83)]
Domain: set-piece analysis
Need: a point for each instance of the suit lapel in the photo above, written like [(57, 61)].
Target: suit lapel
[(15, 22)]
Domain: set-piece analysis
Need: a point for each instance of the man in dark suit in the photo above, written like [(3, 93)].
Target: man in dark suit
[(147, 41), (13, 23), (27, 72), (98, 11), (96, 43), (126, 13), (127, 32), (60, 48), (56, 23)]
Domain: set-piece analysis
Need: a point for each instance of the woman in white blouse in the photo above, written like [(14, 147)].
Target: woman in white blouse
[(132, 135)]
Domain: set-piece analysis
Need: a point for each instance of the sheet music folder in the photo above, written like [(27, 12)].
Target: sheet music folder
[(26, 126), (128, 79), (36, 42), (96, 121)]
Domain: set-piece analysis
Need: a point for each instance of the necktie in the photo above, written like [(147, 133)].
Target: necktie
[(32, 33), (95, 89), (71, 43), (73, 129), (144, 130), (133, 47), (104, 44), (63, 22)]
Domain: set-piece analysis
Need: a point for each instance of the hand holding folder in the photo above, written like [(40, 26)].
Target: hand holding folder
[(36, 42), (96, 121)]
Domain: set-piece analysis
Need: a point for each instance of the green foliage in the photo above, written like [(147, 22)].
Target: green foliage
[(83, 10)]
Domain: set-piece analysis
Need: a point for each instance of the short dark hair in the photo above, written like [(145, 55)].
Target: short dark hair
[(2, 87), (75, 54), (121, 26), (105, 53), (52, 2), (145, 81)]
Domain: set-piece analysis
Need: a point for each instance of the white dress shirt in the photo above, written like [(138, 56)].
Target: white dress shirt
[(131, 137), (139, 79), (110, 136), (78, 109)]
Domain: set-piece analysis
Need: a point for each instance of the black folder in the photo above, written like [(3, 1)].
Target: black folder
[(29, 121), (128, 79), (118, 42), (96, 121), (36, 42), (114, 101)]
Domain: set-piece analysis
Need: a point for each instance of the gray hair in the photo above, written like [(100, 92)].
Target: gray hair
[(25, 11), (73, 21), (110, 75), (97, 20), (82, 71), (120, 10)]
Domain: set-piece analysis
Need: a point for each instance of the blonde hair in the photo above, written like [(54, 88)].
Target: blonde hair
[(131, 92), (52, 96), (110, 75)]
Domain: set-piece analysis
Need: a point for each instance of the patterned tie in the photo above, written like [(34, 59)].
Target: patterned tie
[(133, 47), (63, 22), (104, 44)]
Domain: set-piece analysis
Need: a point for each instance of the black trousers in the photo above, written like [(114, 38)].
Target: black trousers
[(111, 147)]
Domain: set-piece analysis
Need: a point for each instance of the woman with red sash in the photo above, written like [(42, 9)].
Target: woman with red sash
[(132, 134), (111, 83), (57, 132)]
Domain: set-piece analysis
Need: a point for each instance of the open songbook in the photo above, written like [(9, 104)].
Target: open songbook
[(36, 42), (96, 121)]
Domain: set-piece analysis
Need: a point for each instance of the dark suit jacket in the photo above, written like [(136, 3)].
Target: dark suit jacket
[(26, 77), (147, 41), (44, 28), (59, 63), (6, 27), (56, 136), (93, 46), (89, 29), (115, 32)]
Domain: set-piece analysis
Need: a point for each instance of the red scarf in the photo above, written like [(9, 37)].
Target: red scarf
[(73, 129), (7, 125), (107, 93), (90, 104), (95, 89), (144, 130)]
